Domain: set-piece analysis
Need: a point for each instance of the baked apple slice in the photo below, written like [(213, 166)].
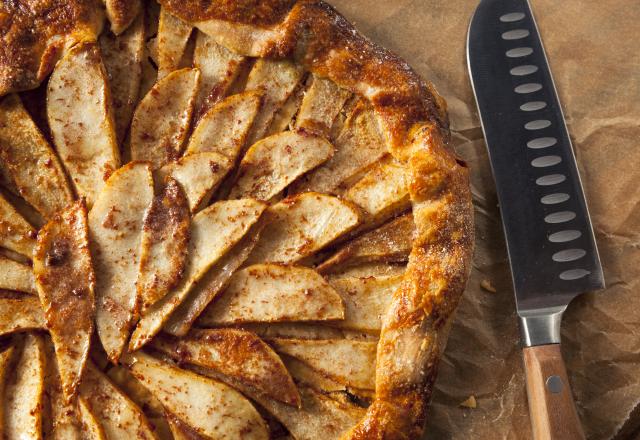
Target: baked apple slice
[(81, 120), (211, 408), (30, 162), (121, 13), (20, 313), (65, 281), (276, 79), (322, 102), (16, 234), (122, 56), (24, 393), (91, 427), (164, 244), (115, 225), (274, 293), (214, 231), (63, 421), (390, 243), (214, 281), (119, 416), (173, 35), (350, 362), (383, 192), (6, 359), (271, 164), (17, 276), (301, 225), (161, 122), (219, 68), (199, 175), (224, 127), (366, 301), (358, 145), (235, 353)]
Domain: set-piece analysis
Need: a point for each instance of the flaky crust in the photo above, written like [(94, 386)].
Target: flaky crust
[(412, 117), (35, 33), (414, 120)]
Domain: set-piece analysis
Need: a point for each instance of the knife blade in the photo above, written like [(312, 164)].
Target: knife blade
[(550, 241)]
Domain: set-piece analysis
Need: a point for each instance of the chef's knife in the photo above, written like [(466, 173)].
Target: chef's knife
[(550, 240)]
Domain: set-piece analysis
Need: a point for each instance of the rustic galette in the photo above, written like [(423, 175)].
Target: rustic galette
[(220, 220)]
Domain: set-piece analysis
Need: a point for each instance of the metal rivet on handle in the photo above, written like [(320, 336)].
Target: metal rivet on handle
[(554, 199), (569, 255), (565, 236), (538, 124), (543, 142), (546, 161), (554, 384), (551, 179), (528, 88), (560, 217), (574, 274)]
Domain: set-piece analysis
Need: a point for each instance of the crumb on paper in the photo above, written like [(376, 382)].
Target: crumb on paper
[(470, 402), (486, 285)]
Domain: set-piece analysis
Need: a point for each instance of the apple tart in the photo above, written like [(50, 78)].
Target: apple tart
[(220, 220)]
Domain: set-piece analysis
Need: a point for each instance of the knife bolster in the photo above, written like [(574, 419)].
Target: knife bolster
[(541, 327)]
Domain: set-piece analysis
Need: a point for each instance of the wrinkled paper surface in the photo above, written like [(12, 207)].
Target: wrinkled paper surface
[(593, 49)]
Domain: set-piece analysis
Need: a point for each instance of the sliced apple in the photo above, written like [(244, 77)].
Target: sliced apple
[(16, 234), (20, 313), (359, 145), (235, 353), (199, 175), (6, 359), (115, 225), (383, 192), (297, 330), (24, 393), (81, 119), (274, 293), (91, 427), (219, 67), (63, 418), (161, 122), (320, 416), (119, 416), (148, 78), (123, 55), (208, 406), (164, 243), (30, 162), (211, 284), (224, 127), (16, 276), (350, 362), (322, 102), (301, 225), (65, 281), (214, 231), (180, 430), (273, 163), (366, 270), (132, 387), (121, 13), (284, 118), (366, 301), (390, 243), (173, 35), (277, 79)]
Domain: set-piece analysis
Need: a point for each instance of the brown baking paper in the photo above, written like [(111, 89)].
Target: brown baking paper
[(595, 58)]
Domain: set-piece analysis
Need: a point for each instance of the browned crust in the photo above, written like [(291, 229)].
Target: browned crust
[(34, 35), (414, 120)]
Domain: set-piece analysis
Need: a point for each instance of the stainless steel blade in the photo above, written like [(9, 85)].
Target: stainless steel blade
[(550, 240)]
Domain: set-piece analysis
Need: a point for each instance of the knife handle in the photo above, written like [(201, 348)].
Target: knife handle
[(551, 406)]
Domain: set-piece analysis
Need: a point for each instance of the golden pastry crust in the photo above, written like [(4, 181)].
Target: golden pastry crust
[(34, 35), (414, 120)]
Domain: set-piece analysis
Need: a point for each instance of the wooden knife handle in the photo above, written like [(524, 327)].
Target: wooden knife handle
[(551, 406)]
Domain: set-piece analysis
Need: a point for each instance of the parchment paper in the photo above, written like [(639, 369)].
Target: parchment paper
[(594, 51)]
